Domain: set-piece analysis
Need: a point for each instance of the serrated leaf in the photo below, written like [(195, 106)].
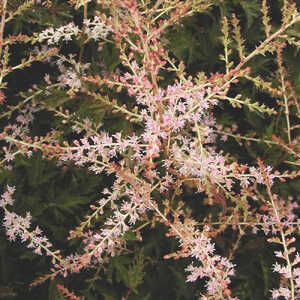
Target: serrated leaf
[(66, 201), (130, 236)]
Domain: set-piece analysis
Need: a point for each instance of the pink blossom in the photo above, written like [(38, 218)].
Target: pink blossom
[(6, 197)]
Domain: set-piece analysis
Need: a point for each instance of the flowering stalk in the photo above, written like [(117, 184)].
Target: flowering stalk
[(281, 218), (17, 226)]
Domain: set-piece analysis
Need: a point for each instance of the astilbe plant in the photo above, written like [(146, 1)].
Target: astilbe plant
[(172, 144)]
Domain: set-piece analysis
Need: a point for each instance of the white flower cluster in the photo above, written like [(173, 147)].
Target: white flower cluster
[(70, 77), (54, 35), (95, 29)]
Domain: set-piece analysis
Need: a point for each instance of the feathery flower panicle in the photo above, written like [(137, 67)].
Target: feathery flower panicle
[(96, 29), (6, 197), (54, 35), (280, 225)]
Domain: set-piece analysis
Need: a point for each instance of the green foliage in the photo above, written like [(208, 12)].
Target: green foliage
[(54, 15), (111, 57), (196, 41), (128, 271)]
